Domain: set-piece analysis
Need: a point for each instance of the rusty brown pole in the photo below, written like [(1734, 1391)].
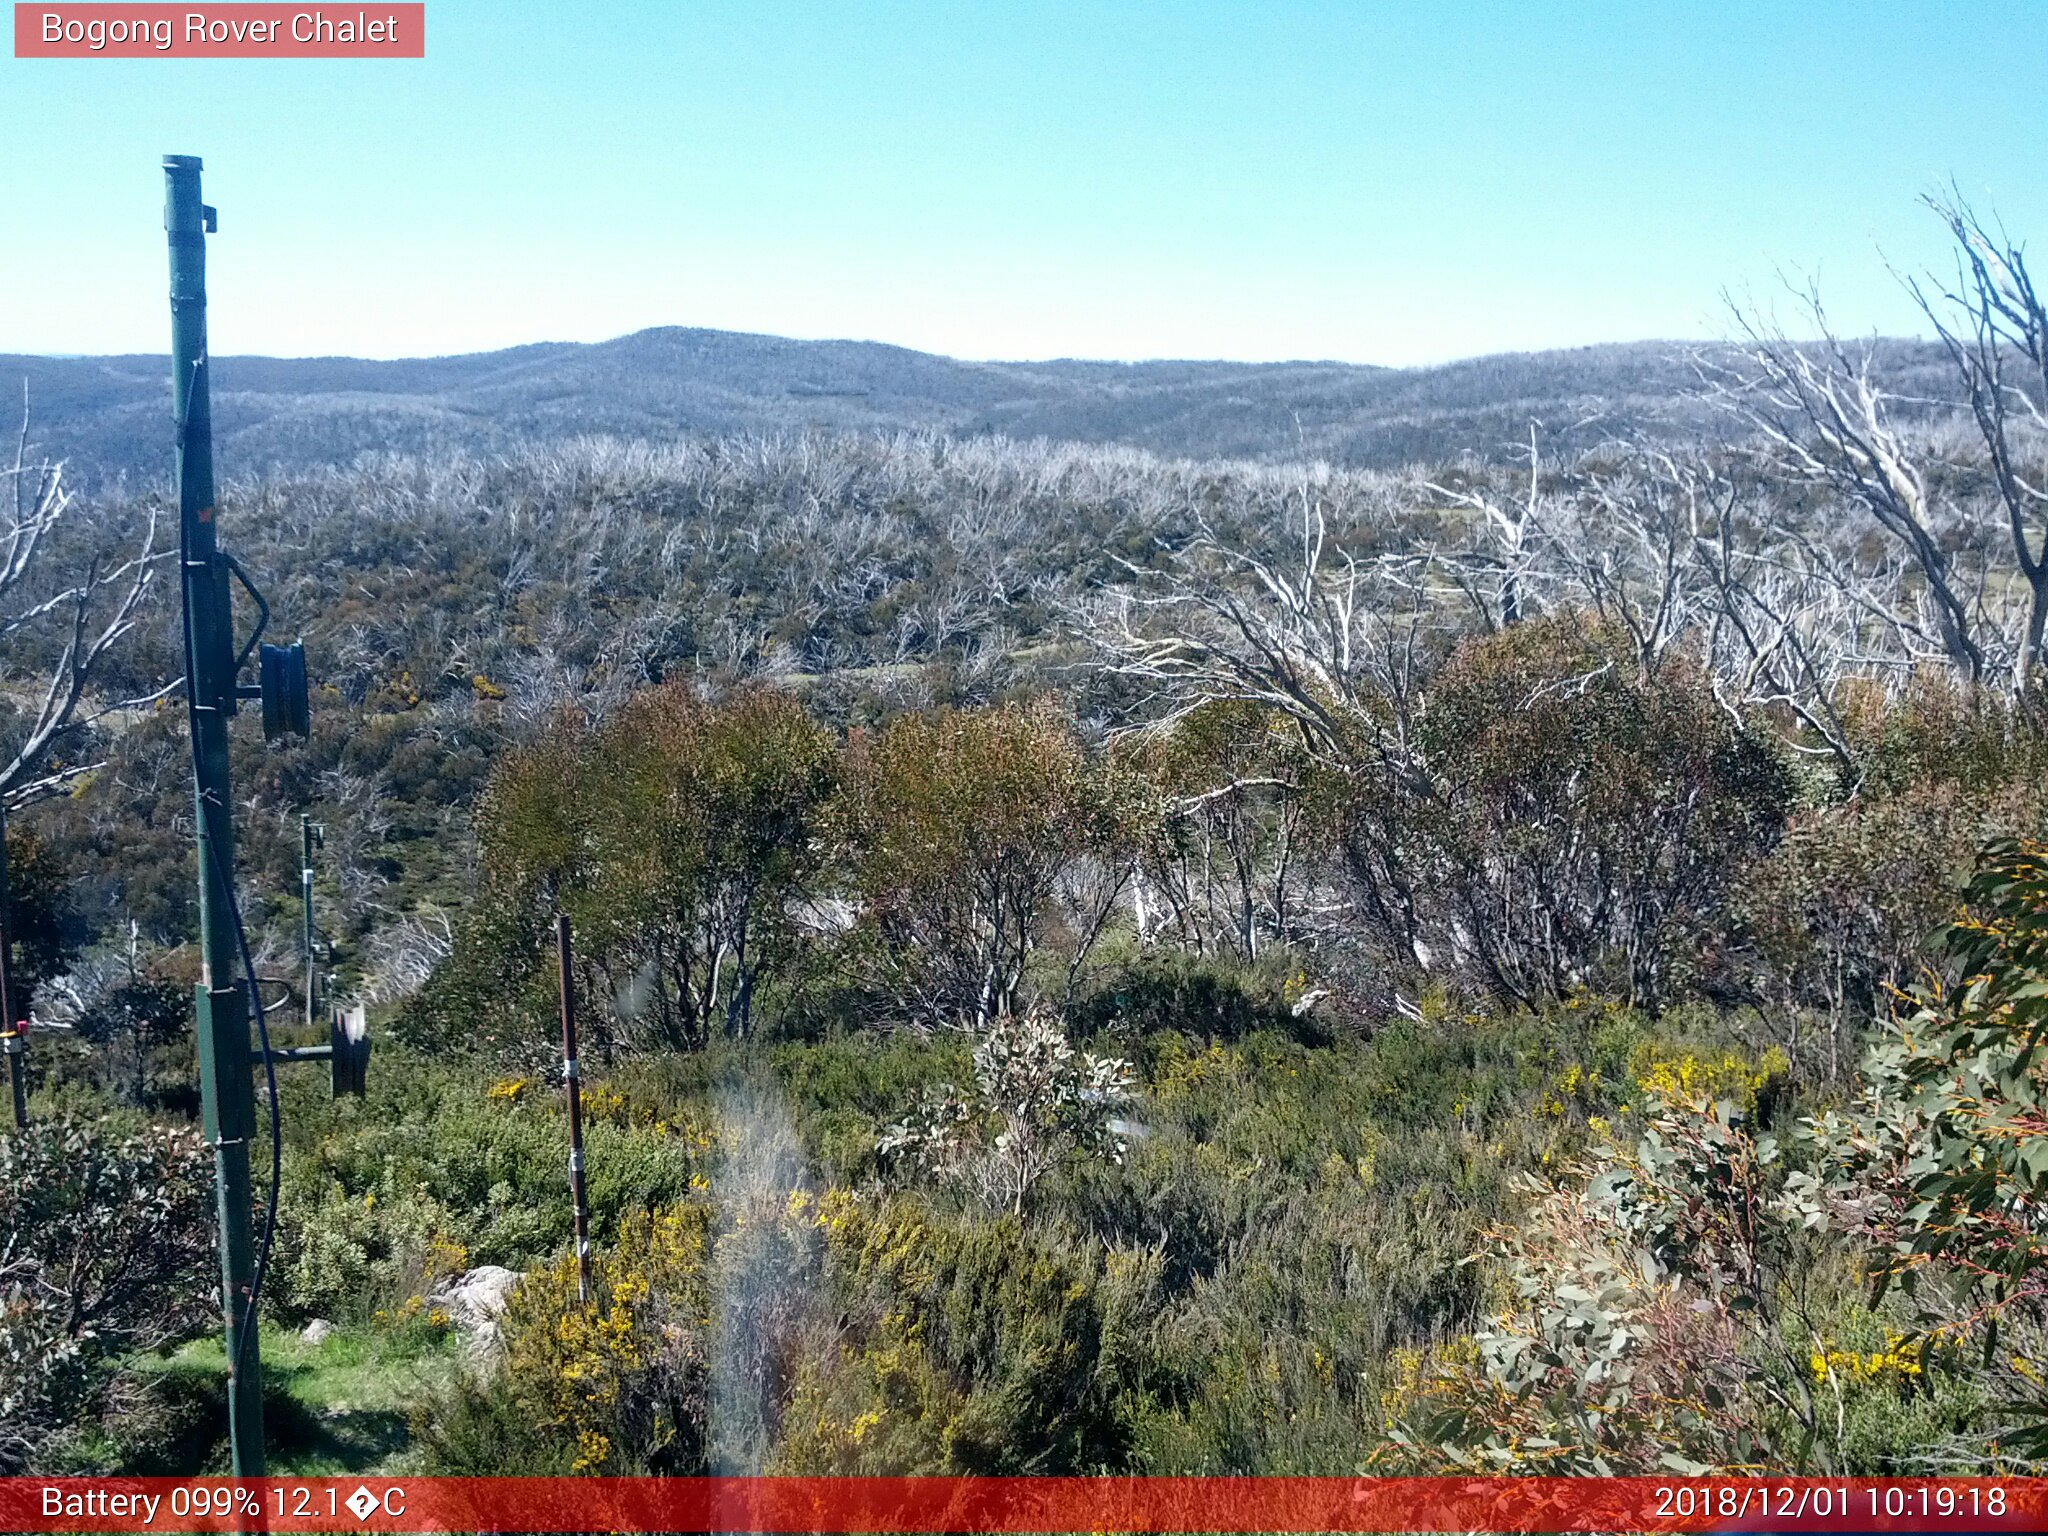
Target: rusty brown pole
[(13, 1039), (575, 1091)]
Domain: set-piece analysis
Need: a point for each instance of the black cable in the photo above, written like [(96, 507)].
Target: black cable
[(244, 1328), (234, 907), (276, 1124)]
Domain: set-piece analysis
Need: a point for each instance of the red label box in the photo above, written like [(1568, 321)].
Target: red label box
[(242, 31), (1130, 1506)]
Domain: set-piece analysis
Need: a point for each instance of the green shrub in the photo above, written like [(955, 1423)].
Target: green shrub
[(109, 1242), (1941, 1164), (974, 840), (438, 1170), (1579, 824)]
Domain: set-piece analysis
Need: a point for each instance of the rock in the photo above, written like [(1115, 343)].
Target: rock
[(316, 1332), (475, 1300)]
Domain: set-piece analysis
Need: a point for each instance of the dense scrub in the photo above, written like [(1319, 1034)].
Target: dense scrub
[(1208, 1209), (1229, 1294)]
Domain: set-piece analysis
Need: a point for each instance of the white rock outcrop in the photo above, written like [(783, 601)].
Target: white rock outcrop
[(475, 1300)]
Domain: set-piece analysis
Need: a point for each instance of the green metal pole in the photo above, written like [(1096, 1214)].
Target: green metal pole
[(227, 1095)]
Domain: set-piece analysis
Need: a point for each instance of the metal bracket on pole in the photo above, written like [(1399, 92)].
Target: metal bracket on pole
[(347, 1052)]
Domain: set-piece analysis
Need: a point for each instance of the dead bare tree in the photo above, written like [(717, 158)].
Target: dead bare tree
[(1673, 550), (1991, 320), (81, 619), (1824, 420), (1501, 557), (1788, 628), (404, 951), (1336, 644), (1976, 575), (1328, 640), (1625, 545)]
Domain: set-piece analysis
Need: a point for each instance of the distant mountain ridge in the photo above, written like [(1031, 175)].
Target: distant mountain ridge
[(110, 416)]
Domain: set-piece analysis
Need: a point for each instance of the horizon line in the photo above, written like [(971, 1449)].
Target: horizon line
[(1674, 343)]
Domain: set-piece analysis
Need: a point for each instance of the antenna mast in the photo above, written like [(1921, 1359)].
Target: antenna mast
[(227, 1094)]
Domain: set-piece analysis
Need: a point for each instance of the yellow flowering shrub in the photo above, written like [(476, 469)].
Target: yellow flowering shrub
[(444, 1257), (1898, 1361), (624, 1373), (1573, 1089), (876, 1407), (1688, 1078), (415, 1315), (1181, 1072)]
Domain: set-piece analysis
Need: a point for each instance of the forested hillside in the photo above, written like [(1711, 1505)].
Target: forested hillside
[(1521, 951), (107, 414)]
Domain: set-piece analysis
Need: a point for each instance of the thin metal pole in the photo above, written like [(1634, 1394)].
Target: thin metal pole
[(14, 1041), (227, 1093), (306, 923), (575, 1092), (13, 1031)]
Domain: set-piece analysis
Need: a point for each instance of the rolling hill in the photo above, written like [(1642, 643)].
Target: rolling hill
[(110, 416)]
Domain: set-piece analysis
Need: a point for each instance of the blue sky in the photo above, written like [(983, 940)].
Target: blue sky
[(1377, 182)]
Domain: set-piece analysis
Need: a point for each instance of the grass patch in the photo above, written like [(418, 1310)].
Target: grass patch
[(340, 1406)]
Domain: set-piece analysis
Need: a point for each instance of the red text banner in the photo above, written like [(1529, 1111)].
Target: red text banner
[(113, 31), (995, 1504)]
